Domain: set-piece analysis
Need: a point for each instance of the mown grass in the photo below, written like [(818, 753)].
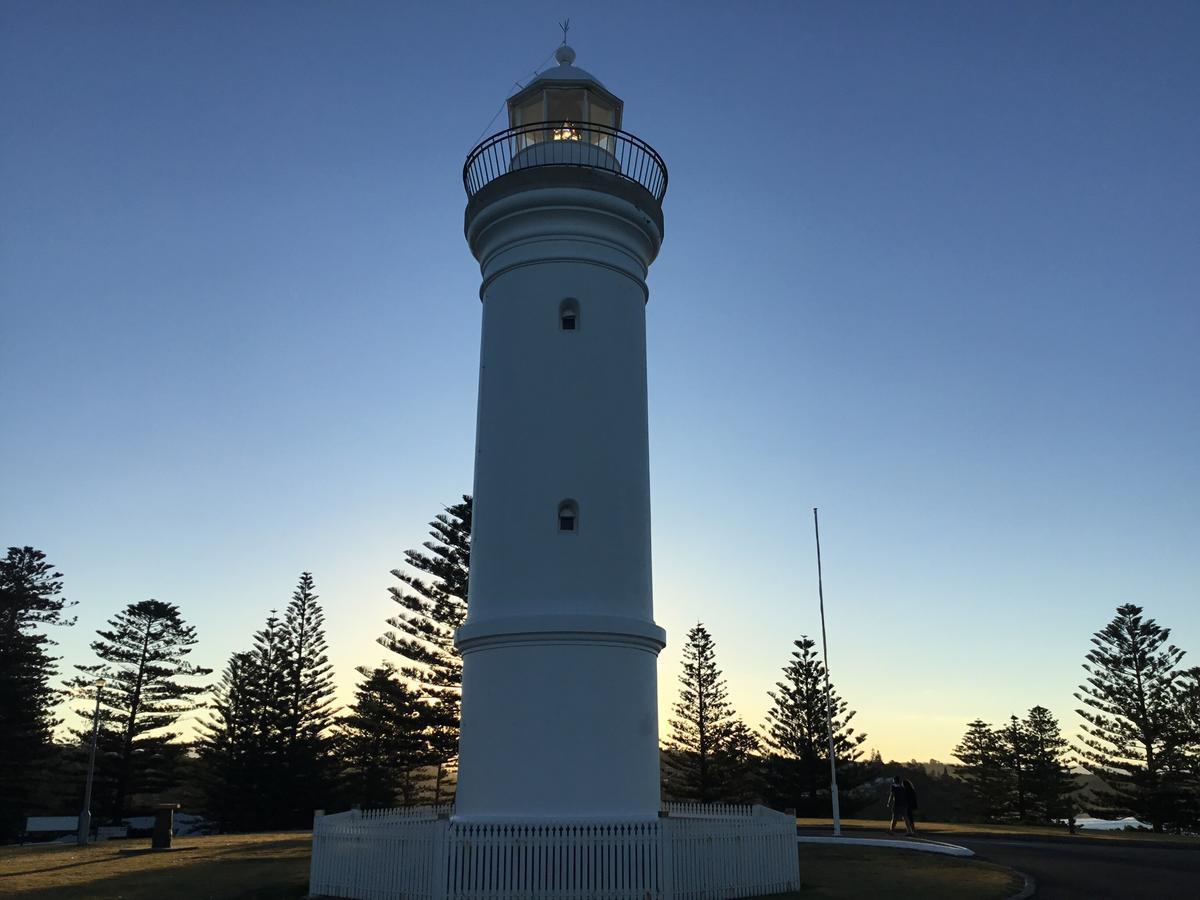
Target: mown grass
[(945, 830), (267, 866), (830, 872), (275, 867)]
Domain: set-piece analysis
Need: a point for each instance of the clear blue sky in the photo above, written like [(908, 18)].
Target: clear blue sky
[(931, 267)]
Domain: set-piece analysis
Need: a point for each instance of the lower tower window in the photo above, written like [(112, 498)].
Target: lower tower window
[(568, 516)]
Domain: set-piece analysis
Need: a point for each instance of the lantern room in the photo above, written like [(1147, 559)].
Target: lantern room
[(571, 102), (565, 118)]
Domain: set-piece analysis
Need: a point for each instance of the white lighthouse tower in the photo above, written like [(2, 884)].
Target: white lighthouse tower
[(558, 784), (559, 707)]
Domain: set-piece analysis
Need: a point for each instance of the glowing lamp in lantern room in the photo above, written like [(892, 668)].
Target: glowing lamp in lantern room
[(558, 114)]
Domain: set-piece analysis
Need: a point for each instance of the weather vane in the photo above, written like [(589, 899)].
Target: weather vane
[(565, 25)]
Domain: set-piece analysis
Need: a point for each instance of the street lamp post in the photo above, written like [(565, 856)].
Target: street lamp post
[(85, 817)]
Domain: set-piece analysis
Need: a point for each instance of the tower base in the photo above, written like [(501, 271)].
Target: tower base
[(559, 720)]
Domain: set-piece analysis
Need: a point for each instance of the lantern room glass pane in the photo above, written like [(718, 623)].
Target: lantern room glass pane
[(601, 113), (564, 106), (529, 112)]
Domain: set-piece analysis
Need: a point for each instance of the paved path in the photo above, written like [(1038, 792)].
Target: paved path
[(1096, 870), (1081, 869)]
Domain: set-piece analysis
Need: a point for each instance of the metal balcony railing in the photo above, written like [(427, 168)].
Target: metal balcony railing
[(565, 144)]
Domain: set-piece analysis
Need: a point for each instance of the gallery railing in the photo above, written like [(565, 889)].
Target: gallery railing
[(565, 144)]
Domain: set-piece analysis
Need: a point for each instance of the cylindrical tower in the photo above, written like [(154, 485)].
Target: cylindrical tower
[(559, 707)]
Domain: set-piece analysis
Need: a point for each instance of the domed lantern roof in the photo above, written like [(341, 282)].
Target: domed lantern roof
[(570, 98)]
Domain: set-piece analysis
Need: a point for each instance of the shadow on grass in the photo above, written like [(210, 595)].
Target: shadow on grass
[(152, 851), (72, 865), (232, 878), (271, 870)]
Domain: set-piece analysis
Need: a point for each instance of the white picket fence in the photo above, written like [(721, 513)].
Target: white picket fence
[(735, 855), (407, 813), (377, 858), (422, 855), (609, 860), (709, 810)]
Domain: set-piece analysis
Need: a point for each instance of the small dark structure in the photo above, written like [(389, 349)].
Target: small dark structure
[(164, 826)]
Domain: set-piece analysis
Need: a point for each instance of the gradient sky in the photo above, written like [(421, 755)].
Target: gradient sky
[(930, 267)]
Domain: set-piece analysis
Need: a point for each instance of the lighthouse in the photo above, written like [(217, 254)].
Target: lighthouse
[(559, 698), (558, 782)]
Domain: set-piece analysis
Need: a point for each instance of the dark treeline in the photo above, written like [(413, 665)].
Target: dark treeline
[(1018, 772), (267, 754), (712, 756), (1139, 754), (270, 745)]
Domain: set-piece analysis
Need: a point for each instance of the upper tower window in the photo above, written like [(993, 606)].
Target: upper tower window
[(568, 315), (568, 516)]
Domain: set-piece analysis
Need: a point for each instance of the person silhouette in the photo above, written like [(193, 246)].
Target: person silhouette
[(901, 800)]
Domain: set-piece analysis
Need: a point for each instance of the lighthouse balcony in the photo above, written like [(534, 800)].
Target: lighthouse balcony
[(565, 144)]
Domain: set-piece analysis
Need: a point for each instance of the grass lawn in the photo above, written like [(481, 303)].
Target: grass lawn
[(275, 866), (830, 872), (271, 866), (946, 831)]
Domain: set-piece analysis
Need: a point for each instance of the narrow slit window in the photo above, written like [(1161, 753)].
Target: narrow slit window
[(568, 315), (568, 516)]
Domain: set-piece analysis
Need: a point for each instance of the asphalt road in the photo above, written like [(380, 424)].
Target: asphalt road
[(1095, 870)]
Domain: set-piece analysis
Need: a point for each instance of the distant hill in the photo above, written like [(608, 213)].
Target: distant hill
[(932, 767)]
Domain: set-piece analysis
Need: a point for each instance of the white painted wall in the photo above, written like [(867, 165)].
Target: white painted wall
[(559, 714), (562, 414)]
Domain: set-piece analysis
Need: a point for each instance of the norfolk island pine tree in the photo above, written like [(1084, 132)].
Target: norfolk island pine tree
[(267, 747), (30, 600), (422, 634), (381, 741), (1133, 738), (796, 738), (711, 755), (241, 746), (308, 715), (143, 656)]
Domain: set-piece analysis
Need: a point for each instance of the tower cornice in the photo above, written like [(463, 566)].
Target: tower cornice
[(561, 629), (564, 215)]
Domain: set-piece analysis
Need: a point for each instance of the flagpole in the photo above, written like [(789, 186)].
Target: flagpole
[(833, 788)]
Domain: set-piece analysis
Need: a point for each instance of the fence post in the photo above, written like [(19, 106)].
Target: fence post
[(314, 866), (666, 864), (437, 884)]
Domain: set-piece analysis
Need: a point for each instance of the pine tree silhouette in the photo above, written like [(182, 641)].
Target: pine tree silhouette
[(1133, 738), (797, 737), (143, 656), (710, 756), (431, 609), (30, 590)]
